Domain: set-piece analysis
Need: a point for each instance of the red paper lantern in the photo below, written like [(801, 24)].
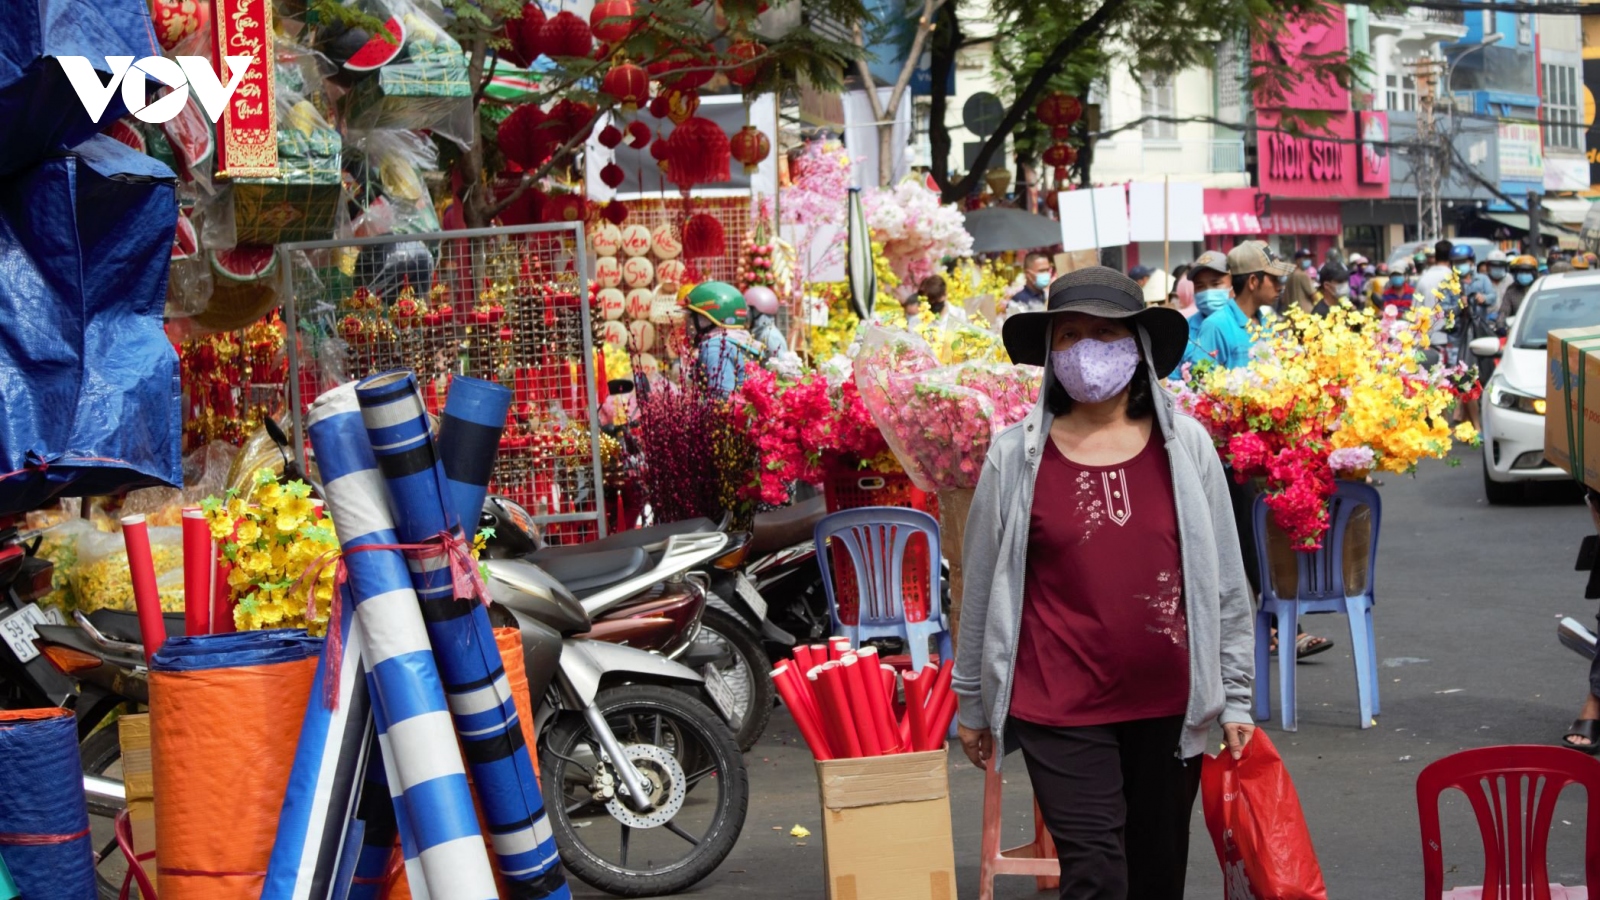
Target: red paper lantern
[(1061, 174), (1052, 200), (564, 208), (1061, 133), (610, 138), (638, 134), (612, 20), (527, 209), (702, 237), (670, 69), (524, 34), (1060, 155), (569, 119), (523, 137), (177, 19), (658, 152), (628, 84), (1059, 108), (749, 146), (566, 35), (748, 73), (658, 105), (682, 105), (612, 175), (616, 212), (697, 153)]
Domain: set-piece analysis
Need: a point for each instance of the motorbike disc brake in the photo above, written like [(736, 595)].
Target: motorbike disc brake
[(664, 780)]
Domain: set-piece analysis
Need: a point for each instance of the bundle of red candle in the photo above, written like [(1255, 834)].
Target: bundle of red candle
[(844, 702)]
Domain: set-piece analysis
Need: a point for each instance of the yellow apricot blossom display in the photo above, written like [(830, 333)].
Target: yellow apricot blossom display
[(271, 537)]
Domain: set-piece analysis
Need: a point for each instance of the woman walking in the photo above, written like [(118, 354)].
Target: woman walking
[(1107, 620)]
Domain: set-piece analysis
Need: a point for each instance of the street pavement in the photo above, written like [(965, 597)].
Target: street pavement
[(1468, 597)]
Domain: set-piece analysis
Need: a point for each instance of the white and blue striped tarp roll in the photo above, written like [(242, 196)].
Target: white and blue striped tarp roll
[(319, 802), (382, 789), (469, 660), (469, 434), (419, 741)]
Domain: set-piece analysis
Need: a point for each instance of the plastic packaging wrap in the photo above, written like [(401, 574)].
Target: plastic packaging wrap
[(44, 824), (483, 709), (88, 381), (225, 713), (302, 202), (388, 168), (100, 578), (425, 88), (408, 696)]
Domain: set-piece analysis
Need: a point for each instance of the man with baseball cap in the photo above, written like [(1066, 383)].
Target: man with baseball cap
[(1209, 274), (1226, 336)]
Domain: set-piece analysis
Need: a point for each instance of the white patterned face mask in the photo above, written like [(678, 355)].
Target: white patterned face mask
[(1095, 371)]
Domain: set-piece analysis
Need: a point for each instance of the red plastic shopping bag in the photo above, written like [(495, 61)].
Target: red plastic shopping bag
[(1253, 814)]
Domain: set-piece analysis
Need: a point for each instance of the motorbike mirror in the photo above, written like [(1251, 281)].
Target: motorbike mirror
[(274, 431)]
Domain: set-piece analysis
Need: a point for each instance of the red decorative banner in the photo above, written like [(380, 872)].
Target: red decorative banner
[(248, 131)]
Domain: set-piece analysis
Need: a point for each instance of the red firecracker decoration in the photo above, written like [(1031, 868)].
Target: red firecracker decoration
[(697, 153), (702, 237), (682, 105), (612, 20), (612, 175), (610, 138), (615, 212), (564, 208), (524, 33), (627, 83), (523, 137), (749, 146), (748, 73), (1060, 156), (658, 152), (566, 35), (1059, 109), (638, 134)]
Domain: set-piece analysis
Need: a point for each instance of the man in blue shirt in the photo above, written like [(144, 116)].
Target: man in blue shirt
[(1257, 279), (1210, 276)]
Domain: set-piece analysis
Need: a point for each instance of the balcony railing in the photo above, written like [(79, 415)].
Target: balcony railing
[(1434, 16)]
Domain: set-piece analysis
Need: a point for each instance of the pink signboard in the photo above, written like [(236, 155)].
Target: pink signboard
[(1374, 147), (1324, 164), (1238, 211), (1286, 59)]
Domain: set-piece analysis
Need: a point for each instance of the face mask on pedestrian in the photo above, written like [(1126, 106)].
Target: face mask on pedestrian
[(1369, 270), (1095, 371), (1041, 279), (1341, 290), (1497, 272), (1397, 281), (1524, 278), (1211, 300), (1464, 268)]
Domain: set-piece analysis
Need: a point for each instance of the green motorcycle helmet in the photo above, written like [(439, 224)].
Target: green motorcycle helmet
[(721, 304)]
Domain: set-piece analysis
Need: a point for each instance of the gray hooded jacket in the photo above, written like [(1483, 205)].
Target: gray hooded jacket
[(1217, 596)]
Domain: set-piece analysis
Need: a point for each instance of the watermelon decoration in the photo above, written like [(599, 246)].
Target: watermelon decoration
[(245, 262), (380, 49), (185, 241), (128, 134), (190, 137)]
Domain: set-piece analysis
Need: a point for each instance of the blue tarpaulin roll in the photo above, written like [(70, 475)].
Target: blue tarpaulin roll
[(329, 763), (378, 811), (469, 435), (458, 625), (44, 824), (419, 741)]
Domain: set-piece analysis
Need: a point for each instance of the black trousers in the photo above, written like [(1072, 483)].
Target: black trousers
[(1117, 800)]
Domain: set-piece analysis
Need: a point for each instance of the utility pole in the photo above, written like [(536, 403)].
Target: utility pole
[(1430, 217), (1533, 225)]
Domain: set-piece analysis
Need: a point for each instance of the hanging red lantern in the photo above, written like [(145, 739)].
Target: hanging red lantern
[(638, 134), (1061, 174), (1059, 109), (658, 105), (567, 120), (697, 153), (748, 73), (702, 237), (615, 212), (564, 208), (684, 68), (524, 33), (177, 19), (1060, 155), (610, 138), (566, 35), (527, 209), (682, 105), (658, 152), (749, 146), (612, 175), (627, 84), (1052, 200), (1061, 133), (612, 20), (523, 137)]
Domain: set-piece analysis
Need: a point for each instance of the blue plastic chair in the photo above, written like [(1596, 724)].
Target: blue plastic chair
[(1320, 589), (876, 538)]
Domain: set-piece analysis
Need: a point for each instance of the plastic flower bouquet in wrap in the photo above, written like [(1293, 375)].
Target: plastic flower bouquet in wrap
[(939, 420), (801, 426)]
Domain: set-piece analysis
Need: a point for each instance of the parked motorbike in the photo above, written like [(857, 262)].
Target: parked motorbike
[(26, 679)]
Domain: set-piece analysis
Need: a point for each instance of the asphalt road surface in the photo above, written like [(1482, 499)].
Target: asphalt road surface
[(1468, 597)]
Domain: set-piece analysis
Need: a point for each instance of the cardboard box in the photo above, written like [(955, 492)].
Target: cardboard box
[(1572, 395), (886, 827)]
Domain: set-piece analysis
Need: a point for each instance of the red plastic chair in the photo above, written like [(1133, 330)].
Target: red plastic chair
[(1037, 859), (1513, 792)]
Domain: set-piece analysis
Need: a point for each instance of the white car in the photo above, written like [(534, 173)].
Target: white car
[(1513, 400)]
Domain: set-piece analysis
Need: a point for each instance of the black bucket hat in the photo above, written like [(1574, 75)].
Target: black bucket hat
[(1109, 294)]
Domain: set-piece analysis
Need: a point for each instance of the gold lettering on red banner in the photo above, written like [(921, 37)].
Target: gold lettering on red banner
[(247, 135)]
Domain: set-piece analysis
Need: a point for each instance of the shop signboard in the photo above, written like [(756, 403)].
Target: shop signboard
[(1521, 152), (1374, 130), (1316, 163), (1591, 84)]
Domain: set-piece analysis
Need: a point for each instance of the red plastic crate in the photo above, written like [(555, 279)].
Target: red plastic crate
[(848, 488)]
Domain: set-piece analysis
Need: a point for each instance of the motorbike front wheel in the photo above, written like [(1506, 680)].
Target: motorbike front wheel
[(745, 673), (692, 769)]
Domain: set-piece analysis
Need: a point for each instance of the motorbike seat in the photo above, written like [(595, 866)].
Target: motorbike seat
[(122, 625), (781, 529), (587, 573), (632, 538)]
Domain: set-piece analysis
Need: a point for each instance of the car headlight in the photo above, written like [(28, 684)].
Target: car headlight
[(1506, 398)]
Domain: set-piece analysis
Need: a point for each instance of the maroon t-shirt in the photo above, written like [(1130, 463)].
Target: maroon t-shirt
[(1104, 636)]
